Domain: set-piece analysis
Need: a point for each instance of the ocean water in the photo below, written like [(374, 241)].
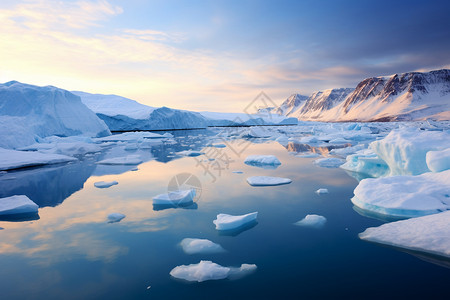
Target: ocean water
[(71, 252)]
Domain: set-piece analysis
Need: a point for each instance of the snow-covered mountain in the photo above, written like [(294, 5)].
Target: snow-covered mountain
[(291, 105), (29, 112), (399, 97)]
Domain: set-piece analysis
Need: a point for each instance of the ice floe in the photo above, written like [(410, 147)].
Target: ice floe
[(190, 153), (267, 181), (314, 221), (438, 161), (329, 162), (175, 197), (115, 217), (12, 159), (429, 234), (123, 160), (263, 161), (18, 204), (322, 191), (203, 246), (405, 195), (105, 184), (230, 222)]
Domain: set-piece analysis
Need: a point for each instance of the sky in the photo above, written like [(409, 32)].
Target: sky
[(217, 55)]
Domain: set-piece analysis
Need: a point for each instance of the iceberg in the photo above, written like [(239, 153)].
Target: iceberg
[(262, 161), (438, 161), (329, 162), (366, 162), (18, 204), (175, 197), (12, 159), (115, 217), (429, 234), (267, 181), (404, 150), (314, 221), (124, 160), (105, 184), (203, 246), (405, 195), (207, 270), (229, 222)]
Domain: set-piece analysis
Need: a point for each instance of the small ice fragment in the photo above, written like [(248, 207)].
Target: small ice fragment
[(308, 155), (204, 270), (314, 221), (322, 191), (267, 181), (134, 169), (175, 197), (229, 222), (262, 160), (18, 204), (190, 153), (243, 270), (105, 184), (125, 160), (149, 287), (218, 145), (238, 172), (115, 217), (329, 162), (194, 246)]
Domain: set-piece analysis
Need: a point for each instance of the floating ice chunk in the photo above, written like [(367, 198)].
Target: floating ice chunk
[(204, 270), (322, 191), (405, 196), (314, 221), (309, 140), (229, 222), (429, 234), (348, 150), (262, 161), (207, 270), (366, 162), (308, 155), (256, 132), (283, 140), (404, 150), (267, 181), (12, 159), (105, 184), (338, 141), (115, 217), (194, 246), (124, 160), (438, 161), (218, 145), (18, 204), (175, 197), (329, 162), (132, 137), (191, 153), (237, 172)]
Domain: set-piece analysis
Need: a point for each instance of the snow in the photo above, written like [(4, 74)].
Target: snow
[(267, 181), (314, 221), (329, 162), (18, 204), (405, 195), (366, 162), (115, 217), (262, 161), (438, 161), (404, 150), (429, 234), (12, 159), (29, 112), (191, 153), (207, 270), (105, 184), (175, 197), (124, 160), (322, 191), (203, 246), (230, 222)]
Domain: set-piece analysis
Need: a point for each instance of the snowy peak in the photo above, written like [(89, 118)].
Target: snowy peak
[(291, 104), (324, 100)]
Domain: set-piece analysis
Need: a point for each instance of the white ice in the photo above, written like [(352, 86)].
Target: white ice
[(191, 153), (115, 217), (438, 161), (124, 160), (229, 222), (175, 197), (262, 160), (18, 204), (314, 221), (12, 159), (405, 195), (267, 181), (203, 246), (105, 184), (366, 162), (430, 234), (322, 191), (329, 162)]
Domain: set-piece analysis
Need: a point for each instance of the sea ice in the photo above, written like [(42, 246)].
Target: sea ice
[(175, 197), (405, 195), (438, 161), (207, 270), (18, 204), (262, 160), (12, 159), (308, 155), (267, 181), (115, 217), (191, 153), (322, 191), (218, 145), (229, 222), (314, 221), (243, 270), (124, 160), (329, 162), (194, 246), (105, 184), (430, 234)]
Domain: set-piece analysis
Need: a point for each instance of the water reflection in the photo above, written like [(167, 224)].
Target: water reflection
[(189, 205), (322, 149)]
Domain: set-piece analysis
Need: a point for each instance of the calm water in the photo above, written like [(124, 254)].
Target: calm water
[(71, 252)]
